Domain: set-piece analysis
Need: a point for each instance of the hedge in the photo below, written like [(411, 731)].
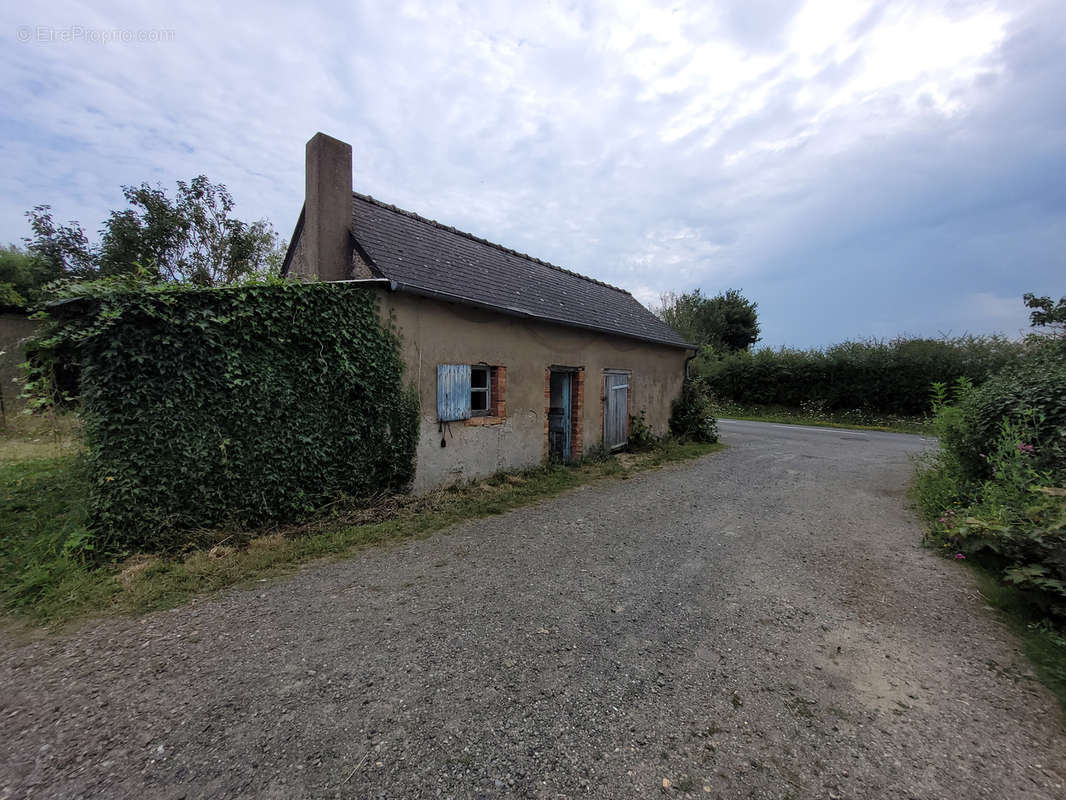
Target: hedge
[(233, 407), (890, 377), (1029, 394)]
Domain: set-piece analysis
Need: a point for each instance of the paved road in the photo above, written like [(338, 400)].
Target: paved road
[(760, 623)]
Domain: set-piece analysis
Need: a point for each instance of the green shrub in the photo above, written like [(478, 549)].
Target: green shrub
[(641, 436), (232, 407), (692, 414), (994, 490), (1014, 521), (888, 377), (1030, 392)]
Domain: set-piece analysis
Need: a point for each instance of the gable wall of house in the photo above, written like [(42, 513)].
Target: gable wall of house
[(304, 266), (435, 332)]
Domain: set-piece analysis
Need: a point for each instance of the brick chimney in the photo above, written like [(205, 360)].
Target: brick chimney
[(326, 239)]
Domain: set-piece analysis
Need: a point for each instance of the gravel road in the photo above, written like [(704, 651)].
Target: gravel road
[(760, 623)]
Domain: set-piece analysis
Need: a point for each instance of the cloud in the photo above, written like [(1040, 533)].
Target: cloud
[(858, 170)]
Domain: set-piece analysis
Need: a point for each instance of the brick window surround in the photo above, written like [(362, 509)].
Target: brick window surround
[(577, 409), (497, 399)]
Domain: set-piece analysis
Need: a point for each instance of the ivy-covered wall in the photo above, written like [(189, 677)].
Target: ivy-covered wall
[(235, 406)]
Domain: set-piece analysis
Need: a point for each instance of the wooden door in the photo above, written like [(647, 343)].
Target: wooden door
[(615, 410), (559, 416)]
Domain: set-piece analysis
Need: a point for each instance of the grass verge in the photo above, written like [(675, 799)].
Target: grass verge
[(1043, 645), (938, 493), (856, 420), (43, 516), (25, 437)]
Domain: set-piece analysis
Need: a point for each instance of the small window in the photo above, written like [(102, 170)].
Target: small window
[(480, 391), (465, 391)]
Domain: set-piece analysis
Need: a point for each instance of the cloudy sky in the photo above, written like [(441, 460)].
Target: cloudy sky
[(860, 170)]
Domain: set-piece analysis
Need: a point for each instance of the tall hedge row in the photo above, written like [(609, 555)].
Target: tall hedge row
[(234, 406), (890, 377)]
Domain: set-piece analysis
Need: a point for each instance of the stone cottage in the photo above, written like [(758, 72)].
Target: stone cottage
[(515, 360)]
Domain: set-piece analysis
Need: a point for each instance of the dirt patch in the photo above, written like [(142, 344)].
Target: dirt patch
[(134, 567), (878, 675)]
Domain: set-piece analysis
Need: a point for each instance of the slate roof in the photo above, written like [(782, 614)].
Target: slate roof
[(425, 257)]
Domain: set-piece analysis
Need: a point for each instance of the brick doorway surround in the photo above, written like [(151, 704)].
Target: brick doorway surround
[(577, 409)]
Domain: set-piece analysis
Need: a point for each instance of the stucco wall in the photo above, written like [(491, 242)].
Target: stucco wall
[(14, 330), (435, 332)]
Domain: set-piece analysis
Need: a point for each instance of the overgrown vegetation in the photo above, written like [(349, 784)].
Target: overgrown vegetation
[(641, 436), (994, 495), (44, 511), (999, 496), (229, 407), (1030, 394), (870, 377), (692, 414), (43, 520)]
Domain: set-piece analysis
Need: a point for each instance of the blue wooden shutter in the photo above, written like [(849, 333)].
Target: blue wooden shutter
[(453, 392)]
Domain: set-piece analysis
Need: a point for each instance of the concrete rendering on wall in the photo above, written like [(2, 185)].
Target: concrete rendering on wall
[(15, 329), (435, 332)]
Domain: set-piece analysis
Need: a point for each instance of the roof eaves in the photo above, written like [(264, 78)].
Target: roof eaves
[(517, 312)]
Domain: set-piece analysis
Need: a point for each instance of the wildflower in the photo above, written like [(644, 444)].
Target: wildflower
[(1025, 448), (959, 556)]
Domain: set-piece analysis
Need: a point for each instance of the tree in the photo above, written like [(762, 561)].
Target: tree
[(22, 275), (727, 322), (63, 250), (1046, 312), (190, 239), (732, 321), (681, 312)]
